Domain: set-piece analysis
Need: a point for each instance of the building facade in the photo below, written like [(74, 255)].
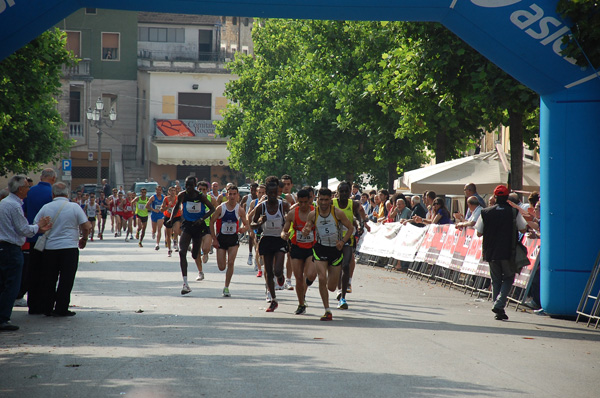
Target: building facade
[(164, 75), (106, 43)]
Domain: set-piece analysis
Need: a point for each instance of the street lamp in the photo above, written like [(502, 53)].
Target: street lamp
[(96, 120)]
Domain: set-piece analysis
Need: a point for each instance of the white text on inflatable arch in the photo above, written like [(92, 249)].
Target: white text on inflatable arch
[(5, 3), (525, 20)]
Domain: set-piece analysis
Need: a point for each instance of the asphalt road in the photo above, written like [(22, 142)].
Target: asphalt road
[(134, 335)]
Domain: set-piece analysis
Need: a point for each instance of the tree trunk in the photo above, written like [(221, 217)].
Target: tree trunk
[(392, 176), (440, 146), (324, 180), (515, 121)]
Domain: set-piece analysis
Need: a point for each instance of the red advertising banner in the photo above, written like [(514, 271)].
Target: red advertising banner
[(437, 242), (461, 248), (445, 257), (533, 250)]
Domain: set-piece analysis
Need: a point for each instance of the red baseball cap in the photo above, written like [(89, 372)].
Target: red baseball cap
[(501, 190)]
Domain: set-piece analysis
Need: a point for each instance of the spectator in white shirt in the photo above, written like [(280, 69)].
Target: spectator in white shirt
[(14, 228), (61, 254), (473, 213)]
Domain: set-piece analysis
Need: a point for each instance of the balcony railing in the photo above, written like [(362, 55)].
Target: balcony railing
[(82, 69), (180, 55), (75, 129)]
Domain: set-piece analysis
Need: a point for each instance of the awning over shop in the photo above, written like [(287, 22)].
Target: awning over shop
[(190, 154)]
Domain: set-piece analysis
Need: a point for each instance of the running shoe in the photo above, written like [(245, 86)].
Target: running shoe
[(116, 234), (176, 247), (300, 310), (126, 239), (288, 285), (349, 290), (259, 274), (226, 292), (200, 276), (273, 306), (185, 289), (269, 298), (211, 250), (327, 317), (157, 247), (169, 253), (250, 259), (140, 244), (343, 305), (91, 239), (338, 295), (101, 237)]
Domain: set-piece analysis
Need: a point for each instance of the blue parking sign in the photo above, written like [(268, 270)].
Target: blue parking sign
[(66, 165)]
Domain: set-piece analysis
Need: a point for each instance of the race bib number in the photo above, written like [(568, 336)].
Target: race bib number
[(193, 207), (301, 238), (128, 208), (141, 206), (228, 228)]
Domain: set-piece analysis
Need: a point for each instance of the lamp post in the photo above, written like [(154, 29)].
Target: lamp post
[(96, 120)]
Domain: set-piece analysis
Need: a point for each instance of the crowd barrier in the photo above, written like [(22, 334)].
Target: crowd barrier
[(441, 253)]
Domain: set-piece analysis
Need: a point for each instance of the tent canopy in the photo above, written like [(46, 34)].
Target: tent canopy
[(485, 170)]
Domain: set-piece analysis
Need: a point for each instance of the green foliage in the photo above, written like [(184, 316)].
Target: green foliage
[(29, 121), (345, 98), (585, 28)]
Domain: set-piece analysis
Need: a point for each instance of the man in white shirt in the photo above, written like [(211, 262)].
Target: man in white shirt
[(14, 228), (473, 213), (61, 254)]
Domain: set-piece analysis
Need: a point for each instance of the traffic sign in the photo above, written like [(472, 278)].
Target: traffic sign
[(66, 165)]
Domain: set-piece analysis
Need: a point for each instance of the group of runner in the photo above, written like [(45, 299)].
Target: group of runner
[(316, 238)]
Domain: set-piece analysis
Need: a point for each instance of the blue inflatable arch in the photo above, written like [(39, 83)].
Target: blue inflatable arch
[(523, 37)]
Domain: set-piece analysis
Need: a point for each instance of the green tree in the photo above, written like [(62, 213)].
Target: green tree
[(583, 44), (29, 121)]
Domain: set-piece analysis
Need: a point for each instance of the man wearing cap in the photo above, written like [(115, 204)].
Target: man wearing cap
[(496, 227)]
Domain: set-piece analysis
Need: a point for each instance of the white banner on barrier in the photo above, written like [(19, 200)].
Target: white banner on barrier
[(407, 242)]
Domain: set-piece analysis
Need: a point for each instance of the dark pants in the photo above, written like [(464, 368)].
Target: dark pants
[(34, 277), (24, 277), (59, 266), (503, 277), (11, 266)]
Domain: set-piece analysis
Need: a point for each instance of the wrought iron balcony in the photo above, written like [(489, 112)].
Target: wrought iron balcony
[(79, 71)]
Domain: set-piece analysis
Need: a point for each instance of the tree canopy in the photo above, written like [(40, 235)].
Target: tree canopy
[(336, 98), (29, 121)]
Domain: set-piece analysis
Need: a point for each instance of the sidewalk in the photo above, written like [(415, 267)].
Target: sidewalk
[(134, 335)]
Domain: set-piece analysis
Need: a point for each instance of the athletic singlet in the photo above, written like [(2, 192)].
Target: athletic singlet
[(298, 239), (156, 202), (228, 222), (349, 212), (102, 204), (206, 209), (91, 210), (170, 206), (248, 202), (328, 232), (274, 223), (119, 206), (193, 209), (127, 208), (140, 208), (113, 203)]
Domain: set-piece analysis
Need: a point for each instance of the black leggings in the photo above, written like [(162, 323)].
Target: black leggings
[(184, 242)]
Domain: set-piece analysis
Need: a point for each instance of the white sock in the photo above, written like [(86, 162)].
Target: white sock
[(185, 280), (327, 309), (349, 281)]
